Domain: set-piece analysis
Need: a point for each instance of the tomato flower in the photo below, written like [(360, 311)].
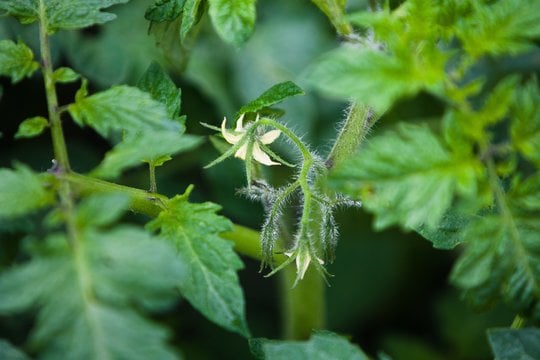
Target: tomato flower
[(233, 137), (303, 258)]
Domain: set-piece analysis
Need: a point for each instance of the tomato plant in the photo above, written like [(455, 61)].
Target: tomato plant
[(358, 155)]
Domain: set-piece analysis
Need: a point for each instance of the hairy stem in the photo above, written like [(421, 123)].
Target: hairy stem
[(360, 119), (303, 307), (303, 302), (59, 145), (285, 130), (152, 170)]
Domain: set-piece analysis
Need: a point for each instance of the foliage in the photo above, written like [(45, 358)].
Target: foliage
[(91, 280), (515, 344), (322, 345)]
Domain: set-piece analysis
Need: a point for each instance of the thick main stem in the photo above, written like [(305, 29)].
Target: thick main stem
[(304, 306)]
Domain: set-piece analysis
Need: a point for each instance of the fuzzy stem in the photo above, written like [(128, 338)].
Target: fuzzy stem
[(295, 139), (360, 119), (303, 302), (246, 242), (303, 307), (152, 170), (59, 145)]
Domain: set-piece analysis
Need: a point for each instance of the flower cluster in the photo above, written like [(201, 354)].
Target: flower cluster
[(316, 235)]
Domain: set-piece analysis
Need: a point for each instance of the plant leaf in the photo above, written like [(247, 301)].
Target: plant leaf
[(211, 284), (515, 344), (147, 147), (506, 26), (322, 345), (121, 108), (65, 75), (407, 177), (190, 16), (158, 84), (32, 127), (525, 127), (448, 233), (501, 259), (164, 10), (61, 14), (101, 209), (372, 77), (21, 192), (10, 352), (85, 296), (274, 95), (233, 20), (16, 60)]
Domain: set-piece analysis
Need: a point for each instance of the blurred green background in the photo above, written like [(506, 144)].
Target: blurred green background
[(389, 292)]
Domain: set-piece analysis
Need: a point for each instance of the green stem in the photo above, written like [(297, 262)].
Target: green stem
[(303, 302), (518, 323), (152, 170), (303, 307), (360, 119), (59, 145), (142, 201), (246, 240), (295, 139)]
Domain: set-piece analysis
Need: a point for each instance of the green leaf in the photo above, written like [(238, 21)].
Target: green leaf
[(65, 75), (373, 77), (501, 259), (121, 108), (10, 352), (449, 232), (322, 345), (158, 84), (148, 147), (515, 344), (505, 27), (32, 127), (21, 192), (408, 177), (525, 195), (16, 60), (233, 20), (101, 209), (61, 14), (86, 296), (493, 110), (211, 284), (525, 127), (164, 10), (272, 96), (190, 16)]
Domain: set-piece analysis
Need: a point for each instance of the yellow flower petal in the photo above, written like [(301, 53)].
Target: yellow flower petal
[(240, 124), (241, 153), (228, 135), (270, 137), (261, 156)]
